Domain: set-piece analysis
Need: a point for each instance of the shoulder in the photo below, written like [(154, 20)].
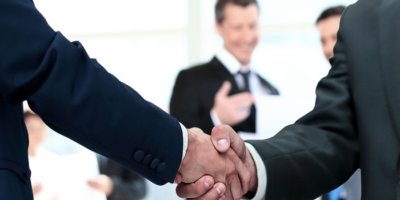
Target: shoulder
[(202, 69)]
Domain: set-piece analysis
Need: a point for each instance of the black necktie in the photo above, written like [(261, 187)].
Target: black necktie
[(249, 125), (245, 76)]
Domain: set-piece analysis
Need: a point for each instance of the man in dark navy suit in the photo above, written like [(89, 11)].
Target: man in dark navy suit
[(78, 98)]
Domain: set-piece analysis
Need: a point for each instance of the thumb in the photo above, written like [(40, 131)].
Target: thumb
[(224, 89), (220, 137), (224, 137)]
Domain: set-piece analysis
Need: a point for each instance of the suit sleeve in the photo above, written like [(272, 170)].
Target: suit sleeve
[(186, 104), (320, 151), (78, 98)]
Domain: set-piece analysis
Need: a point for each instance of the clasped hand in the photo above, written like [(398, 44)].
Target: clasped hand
[(216, 167)]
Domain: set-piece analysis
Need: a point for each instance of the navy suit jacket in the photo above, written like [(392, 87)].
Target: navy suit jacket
[(356, 119), (76, 97)]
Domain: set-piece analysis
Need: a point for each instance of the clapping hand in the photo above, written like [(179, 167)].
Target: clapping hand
[(232, 109)]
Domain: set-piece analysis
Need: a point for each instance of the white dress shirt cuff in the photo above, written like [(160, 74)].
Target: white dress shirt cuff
[(214, 117), (185, 140), (261, 173)]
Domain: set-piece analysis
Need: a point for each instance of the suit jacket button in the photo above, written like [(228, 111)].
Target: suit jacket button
[(154, 163), (161, 167), (27, 175), (139, 155), (147, 159)]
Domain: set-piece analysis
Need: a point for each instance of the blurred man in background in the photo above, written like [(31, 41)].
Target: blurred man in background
[(223, 90)]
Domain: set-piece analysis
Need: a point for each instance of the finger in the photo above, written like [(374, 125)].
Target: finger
[(236, 188), (220, 138), (224, 90), (216, 192), (241, 177), (228, 192), (195, 130), (224, 136), (243, 112), (242, 99), (178, 178), (242, 104), (237, 144), (242, 96), (93, 184), (223, 197), (196, 189)]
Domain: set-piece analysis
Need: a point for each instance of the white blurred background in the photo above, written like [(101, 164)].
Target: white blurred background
[(146, 43)]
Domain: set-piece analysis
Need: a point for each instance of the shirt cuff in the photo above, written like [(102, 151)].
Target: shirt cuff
[(261, 173), (185, 140), (214, 117)]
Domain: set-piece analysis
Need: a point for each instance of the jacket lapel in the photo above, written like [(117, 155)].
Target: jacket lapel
[(224, 74), (389, 39), (272, 90)]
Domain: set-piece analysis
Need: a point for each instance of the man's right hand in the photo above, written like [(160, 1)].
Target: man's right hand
[(238, 182), (201, 159), (232, 109)]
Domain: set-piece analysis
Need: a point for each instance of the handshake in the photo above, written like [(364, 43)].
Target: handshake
[(216, 167)]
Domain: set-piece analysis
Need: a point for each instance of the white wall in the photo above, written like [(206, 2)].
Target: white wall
[(146, 43)]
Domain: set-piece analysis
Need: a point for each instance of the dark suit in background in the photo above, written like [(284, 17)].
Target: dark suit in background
[(194, 92), (356, 119), (127, 185), (76, 97)]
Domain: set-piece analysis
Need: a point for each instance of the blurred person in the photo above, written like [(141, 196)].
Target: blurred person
[(117, 182), (43, 163), (53, 176), (222, 91), (328, 25)]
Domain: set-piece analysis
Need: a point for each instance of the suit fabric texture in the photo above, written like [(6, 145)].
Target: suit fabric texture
[(194, 91), (356, 119), (76, 97)]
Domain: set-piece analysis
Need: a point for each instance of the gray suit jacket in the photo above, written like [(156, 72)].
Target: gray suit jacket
[(356, 119)]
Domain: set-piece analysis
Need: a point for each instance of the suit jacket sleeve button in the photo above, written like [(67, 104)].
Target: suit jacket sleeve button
[(161, 167), (139, 155), (147, 159), (154, 163)]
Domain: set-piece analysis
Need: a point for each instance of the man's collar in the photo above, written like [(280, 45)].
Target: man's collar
[(229, 61)]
